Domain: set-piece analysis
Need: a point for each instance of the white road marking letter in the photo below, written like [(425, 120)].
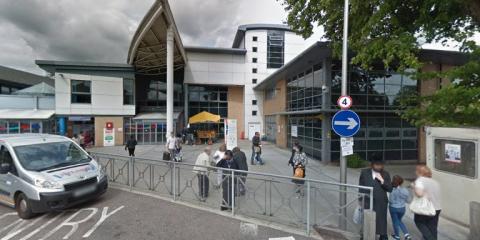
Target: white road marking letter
[(102, 219), (74, 225), (20, 228), (42, 227), (14, 224)]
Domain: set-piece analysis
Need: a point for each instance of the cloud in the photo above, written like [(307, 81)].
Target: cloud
[(86, 30), (101, 30)]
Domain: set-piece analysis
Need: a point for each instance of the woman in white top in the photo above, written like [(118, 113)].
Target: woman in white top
[(425, 186), (217, 156)]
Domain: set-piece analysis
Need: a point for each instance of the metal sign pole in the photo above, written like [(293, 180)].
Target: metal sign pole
[(343, 160)]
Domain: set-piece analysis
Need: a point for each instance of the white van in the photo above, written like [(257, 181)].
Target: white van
[(41, 172)]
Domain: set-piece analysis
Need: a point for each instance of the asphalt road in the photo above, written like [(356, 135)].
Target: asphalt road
[(119, 215)]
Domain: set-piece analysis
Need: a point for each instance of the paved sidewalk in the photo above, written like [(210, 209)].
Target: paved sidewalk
[(276, 162)]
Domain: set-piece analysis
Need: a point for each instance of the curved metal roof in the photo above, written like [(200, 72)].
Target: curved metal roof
[(147, 50)]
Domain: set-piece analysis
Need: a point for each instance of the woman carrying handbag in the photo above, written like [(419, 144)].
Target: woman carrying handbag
[(426, 203)]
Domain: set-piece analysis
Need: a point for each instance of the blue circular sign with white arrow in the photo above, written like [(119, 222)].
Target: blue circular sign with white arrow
[(346, 123)]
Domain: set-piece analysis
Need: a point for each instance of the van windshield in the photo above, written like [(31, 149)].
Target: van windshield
[(45, 156)]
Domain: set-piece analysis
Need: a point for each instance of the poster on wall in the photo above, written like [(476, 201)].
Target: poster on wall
[(108, 137), (230, 133), (453, 153), (294, 131)]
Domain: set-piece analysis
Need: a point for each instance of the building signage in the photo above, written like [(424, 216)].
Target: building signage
[(346, 123), (230, 133), (108, 137), (294, 131)]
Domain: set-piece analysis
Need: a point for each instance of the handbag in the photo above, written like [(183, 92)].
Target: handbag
[(299, 172), (422, 206), (358, 215), (257, 149)]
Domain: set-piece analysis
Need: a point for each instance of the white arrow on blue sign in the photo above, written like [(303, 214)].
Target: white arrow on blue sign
[(346, 123)]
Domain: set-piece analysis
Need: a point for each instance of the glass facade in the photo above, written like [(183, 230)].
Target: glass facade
[(27, 126), (212, 99), (145, 131), (270, 128), (275, 49), (376, 97)]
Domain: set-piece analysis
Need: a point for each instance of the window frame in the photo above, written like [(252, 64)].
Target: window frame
[(126, 96), (74, 93)]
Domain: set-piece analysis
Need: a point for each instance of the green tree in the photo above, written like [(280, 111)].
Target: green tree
[(392, 31)]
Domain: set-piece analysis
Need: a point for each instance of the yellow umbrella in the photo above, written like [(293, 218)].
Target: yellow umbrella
[(204, 117)]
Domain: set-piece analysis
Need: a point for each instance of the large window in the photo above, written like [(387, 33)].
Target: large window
[(304, 91), (275, 49), (208, 98), (457, 157), (308, 132), (271, 128), (128, 97), (81, 91)]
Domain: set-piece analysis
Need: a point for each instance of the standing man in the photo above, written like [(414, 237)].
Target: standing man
[(228, 164), (256, 149), (240, 159), (171, 145), (379, 179), (131, 144), (201, 169)]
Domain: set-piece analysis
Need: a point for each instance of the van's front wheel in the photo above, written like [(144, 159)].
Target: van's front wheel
[(23, 207)]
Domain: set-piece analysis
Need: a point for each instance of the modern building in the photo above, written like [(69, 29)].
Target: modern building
[(301, 96), (26, 102), (267, 81)]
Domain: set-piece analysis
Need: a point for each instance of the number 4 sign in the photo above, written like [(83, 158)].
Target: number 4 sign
[(344, 102)]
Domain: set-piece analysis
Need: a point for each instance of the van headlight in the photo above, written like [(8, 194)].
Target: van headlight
[(47, 184), (101, 173)]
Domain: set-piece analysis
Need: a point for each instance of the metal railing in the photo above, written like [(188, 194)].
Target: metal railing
[(298, 203)]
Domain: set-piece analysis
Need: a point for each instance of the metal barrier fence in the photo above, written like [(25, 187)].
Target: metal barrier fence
[(298, 203)]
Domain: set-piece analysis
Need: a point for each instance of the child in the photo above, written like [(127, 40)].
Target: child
[(398, 199)]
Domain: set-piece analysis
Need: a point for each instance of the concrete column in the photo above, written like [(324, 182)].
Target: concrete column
[(170, 49), (185, 102), (369, 224), (326, 105)]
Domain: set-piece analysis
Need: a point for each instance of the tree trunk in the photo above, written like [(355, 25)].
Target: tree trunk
[(473, 8)]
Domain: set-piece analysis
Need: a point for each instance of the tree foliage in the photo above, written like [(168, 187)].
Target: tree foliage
[(392, 31)]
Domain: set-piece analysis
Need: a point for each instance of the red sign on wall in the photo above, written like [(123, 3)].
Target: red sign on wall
[(109, 125)]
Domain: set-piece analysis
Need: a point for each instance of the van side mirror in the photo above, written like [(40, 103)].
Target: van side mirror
[(5, 168)]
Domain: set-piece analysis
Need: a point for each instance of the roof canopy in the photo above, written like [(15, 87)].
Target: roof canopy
[(41, 89), (148, 47), (15, 114), (204, 117)]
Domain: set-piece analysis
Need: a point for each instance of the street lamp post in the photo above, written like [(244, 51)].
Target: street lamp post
[(343, 160)]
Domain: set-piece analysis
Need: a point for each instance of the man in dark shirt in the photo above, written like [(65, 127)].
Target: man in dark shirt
[(131, 144), (256, 149), (240, 159)]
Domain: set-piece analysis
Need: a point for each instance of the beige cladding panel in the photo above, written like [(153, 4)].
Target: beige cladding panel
[(100, 123)]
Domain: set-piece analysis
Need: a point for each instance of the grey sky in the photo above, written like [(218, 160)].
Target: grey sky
[(101, 30)]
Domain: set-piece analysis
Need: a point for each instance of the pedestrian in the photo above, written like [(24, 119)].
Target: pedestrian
[(227, 163), (425, 186), (76, 139), (290, 161), (241, 160), (171, 145), (399, 197), (201, 169), (130, 146), (217, 156), (178, 148), (379, 179), (299, 162), (82, 139), (256, 149)]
